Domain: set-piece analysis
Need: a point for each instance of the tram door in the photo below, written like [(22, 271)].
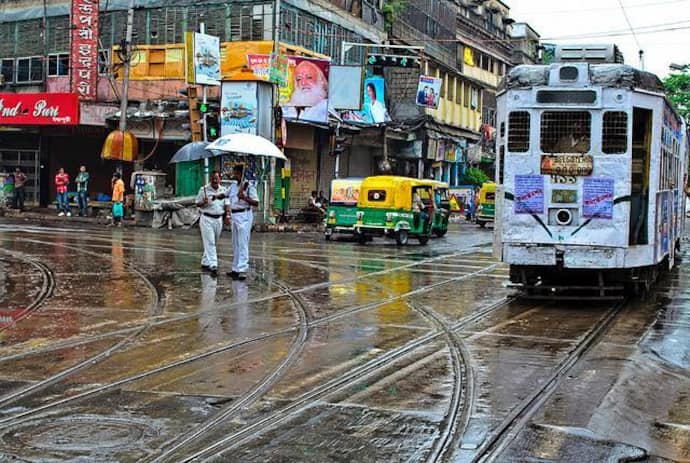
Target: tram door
[(641, 153)]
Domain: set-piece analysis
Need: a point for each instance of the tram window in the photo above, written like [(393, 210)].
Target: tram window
[(614, 133), (565, 131), (518, 131)]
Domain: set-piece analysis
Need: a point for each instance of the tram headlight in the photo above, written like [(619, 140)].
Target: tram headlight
[(564, 217)]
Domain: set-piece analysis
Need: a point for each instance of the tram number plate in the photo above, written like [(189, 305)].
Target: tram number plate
[(567, 164), (564, 179), (564, 196)]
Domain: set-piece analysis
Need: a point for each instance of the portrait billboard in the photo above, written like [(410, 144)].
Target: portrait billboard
[(203, 58), (374, 109), (429, 92), (238, 108)]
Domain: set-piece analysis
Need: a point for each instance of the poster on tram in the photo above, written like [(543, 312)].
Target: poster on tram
[(529, 194), (597, 198)]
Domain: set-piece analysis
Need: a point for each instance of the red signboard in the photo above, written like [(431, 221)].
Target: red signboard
[(39, 109), (84, 50)]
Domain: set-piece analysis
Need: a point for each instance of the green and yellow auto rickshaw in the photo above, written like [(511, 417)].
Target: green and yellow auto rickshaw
[(342, 207), (439, 225), (486, 210), (395, 207)]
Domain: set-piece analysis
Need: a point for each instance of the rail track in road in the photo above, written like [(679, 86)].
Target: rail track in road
[(498, 441)]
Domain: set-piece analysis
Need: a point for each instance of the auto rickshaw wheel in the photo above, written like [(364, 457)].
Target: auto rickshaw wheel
[(328, 235), (481, 224), (423, 239), (440, 233), (362, 238), (401, 237)]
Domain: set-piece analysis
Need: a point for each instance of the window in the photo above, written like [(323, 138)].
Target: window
[(58, 64), (565, 131), (518, 131), (7, 69), (466, 96), (376, 195), (474, 101), (29, 70), (614, 138), (104, 61)]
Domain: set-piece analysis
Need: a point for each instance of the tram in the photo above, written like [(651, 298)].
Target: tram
[(590, 172)]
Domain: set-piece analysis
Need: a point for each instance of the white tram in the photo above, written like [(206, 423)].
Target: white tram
[(591, 170)]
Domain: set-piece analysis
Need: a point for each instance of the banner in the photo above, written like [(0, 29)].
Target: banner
[(429, 91), (305, 97), (348, 92), (39, 109), (529, 194), (597, 198), (203, 58), (84, 49), (278, 69), (238, 108)]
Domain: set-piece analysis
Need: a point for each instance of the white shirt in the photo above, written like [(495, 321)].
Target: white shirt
[(215, 206), (233, 199), (378, 112)]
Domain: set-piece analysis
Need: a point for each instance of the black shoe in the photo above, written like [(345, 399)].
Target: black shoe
[(214, 271), (234, 275), (205, 267), (242, 276)]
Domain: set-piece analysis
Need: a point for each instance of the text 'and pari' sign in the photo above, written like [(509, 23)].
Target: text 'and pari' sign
[(84, 49), (39, 109)]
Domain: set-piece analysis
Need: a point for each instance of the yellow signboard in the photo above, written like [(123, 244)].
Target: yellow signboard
[(567, 164)]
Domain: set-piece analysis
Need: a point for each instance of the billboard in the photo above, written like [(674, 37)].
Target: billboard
[(203, 58), (39, 109), (429, 91), (305, 97), (347, 94), (238, 108)]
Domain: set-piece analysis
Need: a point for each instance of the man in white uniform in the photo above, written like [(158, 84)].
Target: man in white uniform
[(210, 200), (241, 198)]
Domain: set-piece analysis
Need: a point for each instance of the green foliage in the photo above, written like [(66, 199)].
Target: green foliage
[(391, 9), (475, 176), (678, 91)]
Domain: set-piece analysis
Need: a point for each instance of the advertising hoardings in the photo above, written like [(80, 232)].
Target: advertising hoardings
[(374, 109), (428, 92), (39, 109), (597, 198), (203, 58), (529, 194), (84, 49), (238, 108), (346, 93)]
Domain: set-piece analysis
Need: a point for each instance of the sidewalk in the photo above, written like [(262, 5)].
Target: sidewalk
[(43, 215)]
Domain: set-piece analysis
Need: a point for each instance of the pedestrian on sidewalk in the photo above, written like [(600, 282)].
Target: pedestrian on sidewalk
[(83, 191), (61, 183), (19, 192), (242, 197), (118, 199), (210, 200)]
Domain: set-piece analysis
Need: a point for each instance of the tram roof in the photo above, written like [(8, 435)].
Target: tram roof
[(605, 75)]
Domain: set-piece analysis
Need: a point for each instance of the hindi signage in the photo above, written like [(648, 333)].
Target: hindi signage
[(39, 109), (84, 49)]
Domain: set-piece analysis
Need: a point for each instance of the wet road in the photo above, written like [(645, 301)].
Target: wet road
[(115, 347)]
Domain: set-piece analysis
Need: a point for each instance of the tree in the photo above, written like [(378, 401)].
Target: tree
[(475, 176), (391, 9), (678, 91)]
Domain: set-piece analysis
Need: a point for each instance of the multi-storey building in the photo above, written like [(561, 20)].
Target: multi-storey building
[(525, 44)]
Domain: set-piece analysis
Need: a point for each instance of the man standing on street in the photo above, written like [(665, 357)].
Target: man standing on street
[(118, 199), (210, 200), (82, 191), (19, 192), (241, 197), (61, 183)]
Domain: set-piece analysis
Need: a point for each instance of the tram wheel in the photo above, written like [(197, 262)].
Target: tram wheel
[(401, 237)]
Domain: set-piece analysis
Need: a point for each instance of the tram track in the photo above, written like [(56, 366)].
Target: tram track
[(500, 439), (336, 385)]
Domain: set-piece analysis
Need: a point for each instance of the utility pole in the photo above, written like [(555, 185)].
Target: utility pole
[(127, 58), (204, 101)]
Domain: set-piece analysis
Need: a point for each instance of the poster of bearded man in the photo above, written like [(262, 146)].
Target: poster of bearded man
[(306, 95)]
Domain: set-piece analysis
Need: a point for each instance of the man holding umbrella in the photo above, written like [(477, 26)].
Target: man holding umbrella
[(211, 200), (241, 198)]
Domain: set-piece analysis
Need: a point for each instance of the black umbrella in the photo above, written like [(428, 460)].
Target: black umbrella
[(193, 152)]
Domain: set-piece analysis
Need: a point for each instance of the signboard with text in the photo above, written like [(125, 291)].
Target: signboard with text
[(84, 49), (567, 164), (39, 109)]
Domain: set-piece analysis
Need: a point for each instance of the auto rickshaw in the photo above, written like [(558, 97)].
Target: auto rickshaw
[(486, 210), (342, 207), (395, 207), (439, 225)]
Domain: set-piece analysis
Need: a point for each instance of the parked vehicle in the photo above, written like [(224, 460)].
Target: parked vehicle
[(342, 207), (486, 209), (395, 207), (439, 224)]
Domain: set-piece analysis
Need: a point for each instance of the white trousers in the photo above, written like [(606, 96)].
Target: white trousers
[(210, 234), (241, 230)]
